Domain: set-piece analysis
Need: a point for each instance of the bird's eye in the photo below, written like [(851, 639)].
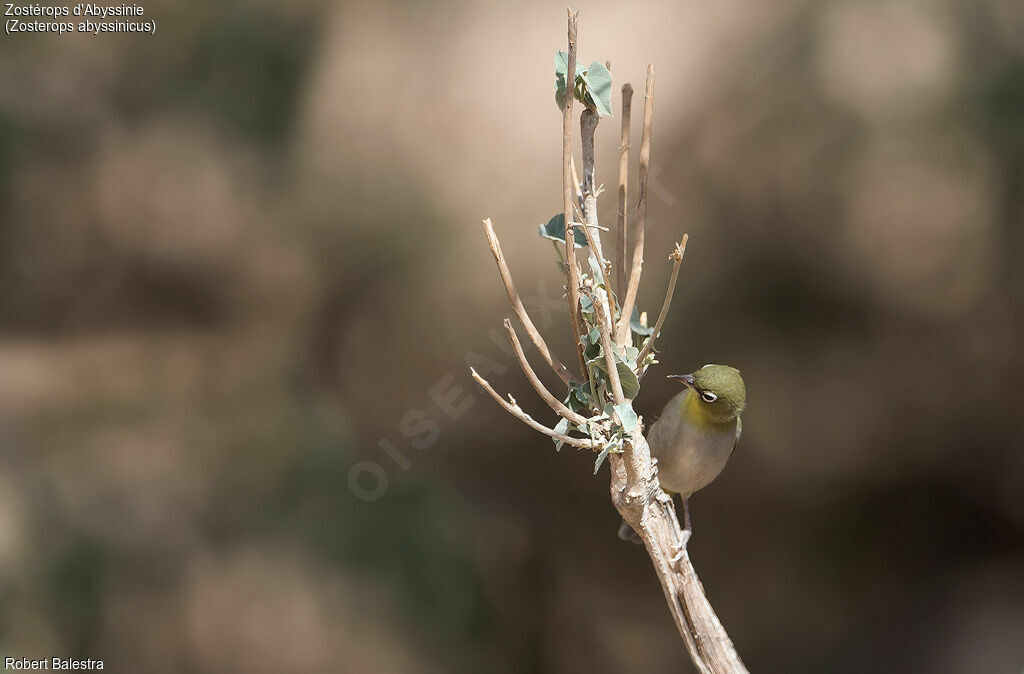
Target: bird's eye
[(708, 396)]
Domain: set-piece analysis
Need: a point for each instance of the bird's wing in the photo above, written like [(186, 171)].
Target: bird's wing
[(739, 431)]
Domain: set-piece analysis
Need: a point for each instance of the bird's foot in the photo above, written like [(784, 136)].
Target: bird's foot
[(684, 538)]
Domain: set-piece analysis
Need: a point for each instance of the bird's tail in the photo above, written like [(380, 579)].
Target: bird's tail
[(626, 533)]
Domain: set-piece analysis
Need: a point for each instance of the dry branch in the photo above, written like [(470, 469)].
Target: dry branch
[(609, 354), (594, 242), (637, 496), (572, 272), (554, 403), (513, 408), (603, 303), (677, 261), (641, 212), (576, 180), (517, 305), (620, 239)]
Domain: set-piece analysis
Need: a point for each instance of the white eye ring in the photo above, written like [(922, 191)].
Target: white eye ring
[(708, 396)]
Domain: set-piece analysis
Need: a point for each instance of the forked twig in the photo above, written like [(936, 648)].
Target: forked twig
[(553, 402), (515, 410)]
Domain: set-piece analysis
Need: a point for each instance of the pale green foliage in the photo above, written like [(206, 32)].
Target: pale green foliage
[(614, 422), (592, 88), (555, 230)]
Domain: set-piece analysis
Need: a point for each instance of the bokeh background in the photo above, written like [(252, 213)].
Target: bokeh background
[(241, 264)]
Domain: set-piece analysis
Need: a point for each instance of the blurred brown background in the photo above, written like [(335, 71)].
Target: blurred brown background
[(238, 256)]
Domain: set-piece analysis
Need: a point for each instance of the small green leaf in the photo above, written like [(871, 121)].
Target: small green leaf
[(599, 373), (586, 305), (630, 384), (561, 427), (600, 458), (638, 327), (627, 416), (561, 66), (555, 230), (561, 70), (599, 88), (593, 85)]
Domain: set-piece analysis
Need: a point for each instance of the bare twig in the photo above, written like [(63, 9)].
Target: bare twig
[(677, 261), (553, 402), (515, 410), (589, 120), (576, 181), (573, 285), (620, 241), (641, 212), (517, 305), (595, 246)]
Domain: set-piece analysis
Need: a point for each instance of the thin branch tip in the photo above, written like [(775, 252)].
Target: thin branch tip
[(622, 329), (569, 181), (517, 304), (622, 222), (512, 407), (554, 403), (677, 260), (680, 249)]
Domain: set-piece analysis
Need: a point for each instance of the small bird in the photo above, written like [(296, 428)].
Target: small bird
[(696, 433)]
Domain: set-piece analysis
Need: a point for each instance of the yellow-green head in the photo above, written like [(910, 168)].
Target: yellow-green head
[(719, 391)]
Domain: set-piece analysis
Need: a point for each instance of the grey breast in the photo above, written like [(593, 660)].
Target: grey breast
[(689, 458)]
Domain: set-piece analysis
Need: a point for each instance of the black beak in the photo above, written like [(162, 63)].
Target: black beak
[(685, 378)]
